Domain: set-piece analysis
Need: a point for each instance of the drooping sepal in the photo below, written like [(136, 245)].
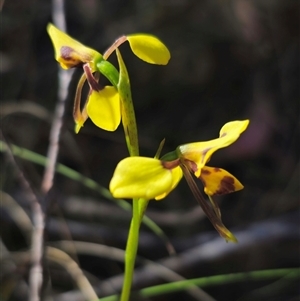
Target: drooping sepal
[(212, 211), (79, 122), (225, 233)]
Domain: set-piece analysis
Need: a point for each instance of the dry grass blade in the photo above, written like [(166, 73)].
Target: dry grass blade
[(17, 213), (118, 255), (74, 270)]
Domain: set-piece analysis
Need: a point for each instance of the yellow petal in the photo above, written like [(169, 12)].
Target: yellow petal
[(233, 129), (104, 108), (176, 177), (140, 177), (149, 49), (69, 52), (218, 181), (200, 152)]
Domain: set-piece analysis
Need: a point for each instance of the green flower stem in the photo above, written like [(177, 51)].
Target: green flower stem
[(139, 206), (143, 203), (131, 251)]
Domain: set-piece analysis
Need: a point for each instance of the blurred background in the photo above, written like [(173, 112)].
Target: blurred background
[(230, 60)]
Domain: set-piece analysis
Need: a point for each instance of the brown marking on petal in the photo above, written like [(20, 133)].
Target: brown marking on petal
[(226, 186), (72, 58), (170, 164), (223, 135), (69, 57), (192, 166), (205, 172), (217, 169), (204, 154), (66, 52)]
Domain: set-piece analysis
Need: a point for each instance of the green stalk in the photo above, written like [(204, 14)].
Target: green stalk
[(138, 205), (131, 251)]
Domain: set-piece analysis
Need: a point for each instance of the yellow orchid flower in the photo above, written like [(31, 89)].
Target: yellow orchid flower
[(102, 104), (151, 178)]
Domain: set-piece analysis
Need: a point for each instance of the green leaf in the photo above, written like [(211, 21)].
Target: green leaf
[(179, 286)]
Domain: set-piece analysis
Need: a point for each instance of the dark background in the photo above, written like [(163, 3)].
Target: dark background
[(230, 60)]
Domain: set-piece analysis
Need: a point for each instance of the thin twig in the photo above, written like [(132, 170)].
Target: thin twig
[(64, 79), (38, 221), (36, 271)]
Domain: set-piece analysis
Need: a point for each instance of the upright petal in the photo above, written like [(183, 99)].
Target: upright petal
[(140, 177), (69, 52), (233, 129), (218, 181), (149, 49), (104, 108), (200, 152)]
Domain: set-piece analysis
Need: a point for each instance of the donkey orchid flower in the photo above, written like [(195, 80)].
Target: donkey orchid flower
[(148, 178), (102, 104)]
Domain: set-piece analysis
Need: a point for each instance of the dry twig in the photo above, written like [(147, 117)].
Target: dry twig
[(36, 275)]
